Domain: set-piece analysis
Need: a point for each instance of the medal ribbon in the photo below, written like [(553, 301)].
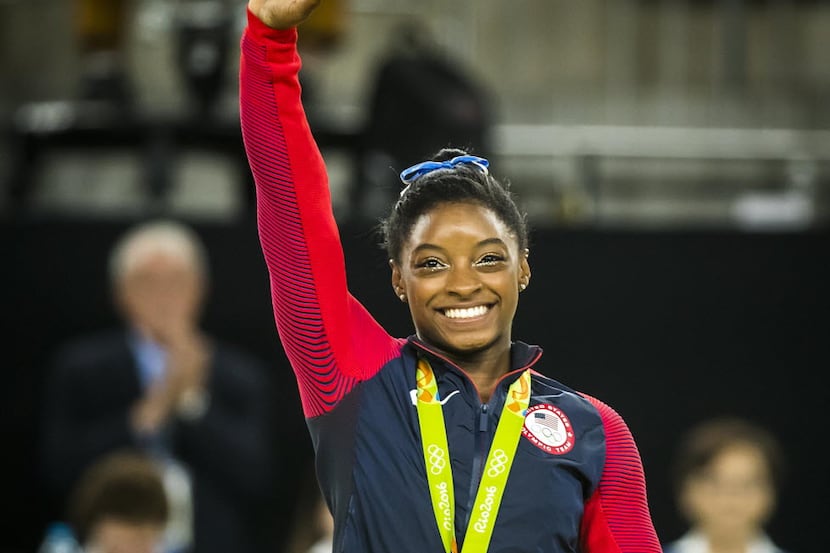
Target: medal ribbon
[(496, 468)]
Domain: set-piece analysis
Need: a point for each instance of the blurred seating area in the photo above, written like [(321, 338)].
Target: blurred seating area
[(624, 113)]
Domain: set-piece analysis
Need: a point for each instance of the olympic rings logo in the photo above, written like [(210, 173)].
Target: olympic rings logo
[(498, 464), (437, 460)]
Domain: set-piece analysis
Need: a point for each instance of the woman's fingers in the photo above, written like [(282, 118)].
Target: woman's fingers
[(282, 14)]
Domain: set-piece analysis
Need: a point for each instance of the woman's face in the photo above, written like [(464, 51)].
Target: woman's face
[(460, 271), (732, 496), (113, 535)]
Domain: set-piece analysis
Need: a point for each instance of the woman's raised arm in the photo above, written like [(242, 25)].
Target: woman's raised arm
[(330, 339)]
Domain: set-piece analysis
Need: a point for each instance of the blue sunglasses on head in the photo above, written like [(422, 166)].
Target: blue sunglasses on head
[(410, 175)]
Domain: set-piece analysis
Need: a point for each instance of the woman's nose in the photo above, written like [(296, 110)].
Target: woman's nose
[(463, 281)]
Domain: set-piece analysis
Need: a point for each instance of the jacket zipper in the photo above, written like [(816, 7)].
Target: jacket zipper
[(478, 460)]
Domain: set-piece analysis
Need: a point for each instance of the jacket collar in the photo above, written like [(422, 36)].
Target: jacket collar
[(522, 355)]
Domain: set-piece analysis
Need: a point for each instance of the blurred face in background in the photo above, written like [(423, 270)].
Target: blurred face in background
[(160, 292), (732, 497), (112, 535)]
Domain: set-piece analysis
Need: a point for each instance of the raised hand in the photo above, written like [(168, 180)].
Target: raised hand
[(282, 14)]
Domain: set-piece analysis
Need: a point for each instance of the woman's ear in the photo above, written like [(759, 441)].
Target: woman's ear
[(524, 271), (397, 281)]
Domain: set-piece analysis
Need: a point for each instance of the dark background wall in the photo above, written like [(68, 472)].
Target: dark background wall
[(667, 327)]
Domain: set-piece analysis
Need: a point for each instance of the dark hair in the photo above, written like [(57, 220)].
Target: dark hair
[(464, 183), (123, 485), (708, 439)]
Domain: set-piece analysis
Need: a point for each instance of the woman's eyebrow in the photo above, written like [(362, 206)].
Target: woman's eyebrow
[(426, 246), (495, 241), (486, 242)]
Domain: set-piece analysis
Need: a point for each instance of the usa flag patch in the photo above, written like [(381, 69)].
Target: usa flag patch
[(549, 429)]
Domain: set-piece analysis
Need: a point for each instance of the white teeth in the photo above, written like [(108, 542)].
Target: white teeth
[(468, 313)]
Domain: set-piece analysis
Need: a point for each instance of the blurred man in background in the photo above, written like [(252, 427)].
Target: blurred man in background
[(196, 405)]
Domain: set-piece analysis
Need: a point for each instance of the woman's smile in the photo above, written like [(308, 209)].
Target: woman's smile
[(466, 313)]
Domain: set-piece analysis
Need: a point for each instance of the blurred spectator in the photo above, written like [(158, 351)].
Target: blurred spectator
[(727, 473), (198, 406), (118, 505), (313, 526), (419, 87), (324, 525)]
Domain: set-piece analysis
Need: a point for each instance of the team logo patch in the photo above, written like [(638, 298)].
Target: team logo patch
[(549, 429)]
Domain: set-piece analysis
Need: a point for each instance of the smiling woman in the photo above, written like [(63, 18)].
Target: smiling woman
[(448, 440), (460, 271)]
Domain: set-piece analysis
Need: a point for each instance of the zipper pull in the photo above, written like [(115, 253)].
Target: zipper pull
[(484, 420)]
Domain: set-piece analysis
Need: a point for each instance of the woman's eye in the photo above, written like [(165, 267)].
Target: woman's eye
[(430, 263), (490, 259)]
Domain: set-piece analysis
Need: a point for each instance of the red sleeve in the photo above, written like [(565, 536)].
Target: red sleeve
[(616, 517), (329, 338)]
